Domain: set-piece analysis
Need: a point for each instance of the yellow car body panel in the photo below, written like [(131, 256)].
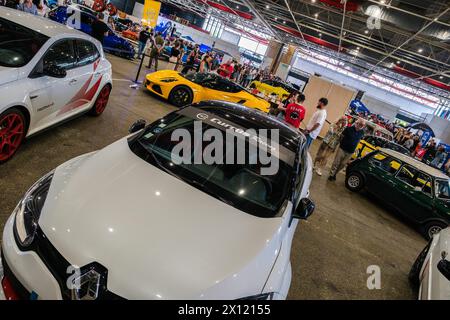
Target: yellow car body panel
[(363, 148), (167, 80), (268, 89)]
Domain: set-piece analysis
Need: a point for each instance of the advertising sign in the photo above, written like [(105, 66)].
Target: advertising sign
[(150, 13)]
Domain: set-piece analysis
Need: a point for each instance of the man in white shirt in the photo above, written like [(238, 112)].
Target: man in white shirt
[(316, 122)]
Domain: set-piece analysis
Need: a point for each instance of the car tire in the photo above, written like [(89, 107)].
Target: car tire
[(354, 181), (13, 126), (180, 96), (433, 227), (414, 273), (101, 101)]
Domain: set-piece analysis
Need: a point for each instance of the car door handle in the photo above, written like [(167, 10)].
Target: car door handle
[(73, 81)]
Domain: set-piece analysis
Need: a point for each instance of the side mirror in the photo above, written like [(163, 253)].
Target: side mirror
[(444, 266), (305, 209), (137, 125), (54, 71)]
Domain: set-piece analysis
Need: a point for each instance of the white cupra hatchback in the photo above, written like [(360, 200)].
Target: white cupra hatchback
[(130, 222), (48, 74)]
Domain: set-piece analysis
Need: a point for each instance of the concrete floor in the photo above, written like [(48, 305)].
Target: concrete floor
[(331, 251)]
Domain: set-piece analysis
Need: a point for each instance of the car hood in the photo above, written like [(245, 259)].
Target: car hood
[(8, 75), (164, 74), (157, 236)]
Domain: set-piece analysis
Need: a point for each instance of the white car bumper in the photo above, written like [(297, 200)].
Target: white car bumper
[(28, 268)]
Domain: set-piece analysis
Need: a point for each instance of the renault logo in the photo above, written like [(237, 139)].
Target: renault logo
[(202, 116)]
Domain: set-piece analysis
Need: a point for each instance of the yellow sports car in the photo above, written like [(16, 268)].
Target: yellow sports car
[(182, 90), (269, 87)]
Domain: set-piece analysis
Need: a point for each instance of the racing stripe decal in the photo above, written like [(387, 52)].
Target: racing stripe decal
[(84, 95)]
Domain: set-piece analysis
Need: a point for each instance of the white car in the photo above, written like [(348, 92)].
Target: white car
[(431, 270), (141, 227), (48, 74)]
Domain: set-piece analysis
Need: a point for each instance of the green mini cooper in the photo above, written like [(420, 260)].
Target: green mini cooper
[(417, 191)]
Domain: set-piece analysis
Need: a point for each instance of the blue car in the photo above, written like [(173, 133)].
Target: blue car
[(112, 43)]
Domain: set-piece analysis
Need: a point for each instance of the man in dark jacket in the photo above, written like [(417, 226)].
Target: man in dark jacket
[(349, 141)]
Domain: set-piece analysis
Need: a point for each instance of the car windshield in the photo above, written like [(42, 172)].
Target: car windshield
[(18, 45), (239, 185), (199, 78), (443, 189)]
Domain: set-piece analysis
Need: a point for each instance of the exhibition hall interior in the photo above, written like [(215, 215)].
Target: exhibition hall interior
[(225, 150)]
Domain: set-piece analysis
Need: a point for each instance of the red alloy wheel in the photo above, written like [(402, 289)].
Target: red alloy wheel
[(11, 134), (102, 100)]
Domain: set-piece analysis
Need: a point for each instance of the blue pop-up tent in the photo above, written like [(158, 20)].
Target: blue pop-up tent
[(358, 106)]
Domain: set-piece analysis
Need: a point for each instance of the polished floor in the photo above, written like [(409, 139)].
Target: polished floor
[(331, 251)]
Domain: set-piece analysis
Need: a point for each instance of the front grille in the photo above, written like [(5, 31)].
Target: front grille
[(58, 266)]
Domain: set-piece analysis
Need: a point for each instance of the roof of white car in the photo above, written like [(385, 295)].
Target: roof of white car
[(42, 25), (413, 162)]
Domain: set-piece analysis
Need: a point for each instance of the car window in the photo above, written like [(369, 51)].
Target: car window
[(240, 185), (423, 181), (18, 45), (87, 52), (61, 54), (369, 139), (443, 189), (86, 18), (220, 84), (385, 162), (407, 174)]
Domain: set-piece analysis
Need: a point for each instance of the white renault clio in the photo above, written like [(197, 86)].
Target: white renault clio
[(48, 74), (127, 222)]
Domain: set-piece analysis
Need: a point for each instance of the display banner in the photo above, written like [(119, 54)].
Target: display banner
[(150, 13)]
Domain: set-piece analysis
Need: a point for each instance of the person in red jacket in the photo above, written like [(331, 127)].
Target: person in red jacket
[(295, 112), (226, 69)]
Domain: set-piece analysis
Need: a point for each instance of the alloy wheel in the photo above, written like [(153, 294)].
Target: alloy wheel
[(102, 100), (11, 134)]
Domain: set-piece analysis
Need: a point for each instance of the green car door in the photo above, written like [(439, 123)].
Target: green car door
[(380, 175), (442, 200), (413, 194)]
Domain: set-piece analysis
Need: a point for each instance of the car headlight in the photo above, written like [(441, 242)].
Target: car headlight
[(28, 210), (262, 296), (168, 80)]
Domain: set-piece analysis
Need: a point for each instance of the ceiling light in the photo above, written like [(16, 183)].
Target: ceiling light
[(313, 1), (366, 31), (398, 62), (267, 7), (357, 48), (237, 7), (284, 22), (276, 18), (382, 1), (441, 77), (420, 50), (320, 34), (316, 15), (435, 19)]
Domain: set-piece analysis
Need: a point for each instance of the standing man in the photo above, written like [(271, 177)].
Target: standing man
[(294, 111), (316, 122), (349, 141), (99, 28), (144, 35), (157, 45)]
